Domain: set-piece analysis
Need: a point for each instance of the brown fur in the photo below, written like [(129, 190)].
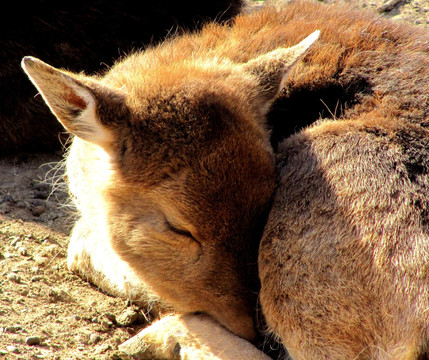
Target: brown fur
[(348, 237), (187, 175), (155, 180)]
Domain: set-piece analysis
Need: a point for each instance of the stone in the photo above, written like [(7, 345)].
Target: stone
[(38, 210), (14, 278), (94, 338), (32, 340), (129, 317), (12, 349)]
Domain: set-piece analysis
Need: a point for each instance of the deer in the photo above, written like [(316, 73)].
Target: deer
[(279, 162)]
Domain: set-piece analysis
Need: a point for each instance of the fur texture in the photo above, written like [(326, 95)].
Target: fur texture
[(188, 174), (147, 167)]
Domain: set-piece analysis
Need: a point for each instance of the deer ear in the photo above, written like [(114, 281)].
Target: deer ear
[(72, 101), (272, 68)]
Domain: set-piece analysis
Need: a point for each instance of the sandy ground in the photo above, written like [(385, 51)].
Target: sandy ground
[(46, 312), (39, 297)]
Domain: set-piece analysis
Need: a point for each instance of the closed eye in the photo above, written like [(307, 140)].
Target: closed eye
[(178, 231)]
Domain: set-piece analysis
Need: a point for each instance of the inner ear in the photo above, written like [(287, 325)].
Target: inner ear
[(74, 99), (272, 69), (71, 99)]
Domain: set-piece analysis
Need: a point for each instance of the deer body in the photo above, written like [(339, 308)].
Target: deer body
[(173, 159)]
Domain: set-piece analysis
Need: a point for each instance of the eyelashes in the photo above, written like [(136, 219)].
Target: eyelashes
[(181, 232)]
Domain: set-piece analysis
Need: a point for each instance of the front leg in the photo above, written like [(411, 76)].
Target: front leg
[(186, 337)]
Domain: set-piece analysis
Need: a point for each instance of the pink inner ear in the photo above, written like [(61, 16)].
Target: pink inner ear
[(72, 98)]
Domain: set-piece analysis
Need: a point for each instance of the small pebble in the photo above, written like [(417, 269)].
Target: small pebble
[(23, 251), (56, 295), (128, 317), (14, 278), (37, 278), (12, 349), (94, 338), (32, 340), (38, 210)]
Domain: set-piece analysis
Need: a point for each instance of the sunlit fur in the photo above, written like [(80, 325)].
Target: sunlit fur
[(190, 176), (173, 171)]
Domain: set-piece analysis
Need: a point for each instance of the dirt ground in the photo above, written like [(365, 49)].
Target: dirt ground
[(40, 300), (46, 312)]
